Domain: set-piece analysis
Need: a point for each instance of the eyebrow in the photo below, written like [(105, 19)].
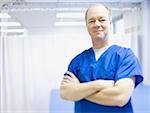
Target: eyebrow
[(90, 19), (101, 17)]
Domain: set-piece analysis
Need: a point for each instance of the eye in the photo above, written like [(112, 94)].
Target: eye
[(91, 21), (102, 20)]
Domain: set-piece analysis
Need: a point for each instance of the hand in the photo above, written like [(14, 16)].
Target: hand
[(70, 78)]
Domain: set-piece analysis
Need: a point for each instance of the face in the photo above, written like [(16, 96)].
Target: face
[(98, 22)]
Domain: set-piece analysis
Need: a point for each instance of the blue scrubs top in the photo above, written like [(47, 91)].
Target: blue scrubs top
[(114, 64)]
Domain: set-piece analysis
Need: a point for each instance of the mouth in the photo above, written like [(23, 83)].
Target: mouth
[(98, 31)]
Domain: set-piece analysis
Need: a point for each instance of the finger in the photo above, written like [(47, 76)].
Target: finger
[(68, 77), (71, 74), (65, 81), (66, 74)]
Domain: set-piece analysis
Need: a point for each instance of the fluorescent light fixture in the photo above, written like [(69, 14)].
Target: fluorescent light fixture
[(123, 9), (70, 24), (70, 9), (10, 24), (12, 30), (4, 15), (70, 15)]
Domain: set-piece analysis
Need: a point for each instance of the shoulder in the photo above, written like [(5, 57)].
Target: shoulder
[(81, 55), (75, 62), (119, 52), (123, 51)]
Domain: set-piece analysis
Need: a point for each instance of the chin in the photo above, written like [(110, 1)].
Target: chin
[(99, 37)]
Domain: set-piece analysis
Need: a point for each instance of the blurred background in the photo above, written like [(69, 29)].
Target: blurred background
[(38, 38)]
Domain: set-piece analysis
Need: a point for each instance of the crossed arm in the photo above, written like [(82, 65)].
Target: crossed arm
[(104, 92)]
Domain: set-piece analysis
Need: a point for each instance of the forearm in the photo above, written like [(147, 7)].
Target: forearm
[(78, 91), (118, 95), (104, 97), (83, 90)]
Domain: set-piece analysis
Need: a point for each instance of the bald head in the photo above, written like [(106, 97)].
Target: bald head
[(97, 7)]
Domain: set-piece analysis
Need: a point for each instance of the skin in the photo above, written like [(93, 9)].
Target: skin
[(98, 25), (103, 92)]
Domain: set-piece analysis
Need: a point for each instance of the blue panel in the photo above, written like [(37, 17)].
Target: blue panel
[(141, 99), (58, 105)]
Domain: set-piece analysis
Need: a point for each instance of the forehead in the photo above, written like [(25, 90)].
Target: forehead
[(97, 11)]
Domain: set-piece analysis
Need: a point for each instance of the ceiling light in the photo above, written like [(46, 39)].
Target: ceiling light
[(10, 24), (12, 30), (70, 9), (4, 15), (70, 15), (70, 23)]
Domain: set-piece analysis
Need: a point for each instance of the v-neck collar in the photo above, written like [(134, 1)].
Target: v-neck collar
[(92, 53)]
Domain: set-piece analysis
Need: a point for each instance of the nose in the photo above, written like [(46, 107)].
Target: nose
[(97, 23)]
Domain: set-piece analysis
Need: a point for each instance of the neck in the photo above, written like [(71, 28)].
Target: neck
[(100, 44)]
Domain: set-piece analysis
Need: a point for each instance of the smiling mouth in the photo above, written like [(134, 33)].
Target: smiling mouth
[(99, 31)]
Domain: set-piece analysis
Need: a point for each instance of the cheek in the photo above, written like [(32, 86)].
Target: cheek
[(90, 29), (106, 27)]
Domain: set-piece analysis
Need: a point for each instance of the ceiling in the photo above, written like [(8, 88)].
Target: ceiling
[(133, 1), (40, 15)]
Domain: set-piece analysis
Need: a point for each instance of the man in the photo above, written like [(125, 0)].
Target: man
[(102, 78)]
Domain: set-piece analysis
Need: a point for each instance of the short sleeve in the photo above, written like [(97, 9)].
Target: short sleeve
[(73, 66), (128, 66)]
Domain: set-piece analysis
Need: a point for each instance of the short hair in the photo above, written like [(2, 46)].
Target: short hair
[(108, 9)]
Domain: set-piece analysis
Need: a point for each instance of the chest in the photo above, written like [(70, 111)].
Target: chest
[(104, 68)]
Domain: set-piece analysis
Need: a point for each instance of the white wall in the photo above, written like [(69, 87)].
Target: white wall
[(35, 65), (145, 40), (49, 59)]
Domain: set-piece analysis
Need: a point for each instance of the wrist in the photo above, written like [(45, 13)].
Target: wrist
[(100, 84)]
